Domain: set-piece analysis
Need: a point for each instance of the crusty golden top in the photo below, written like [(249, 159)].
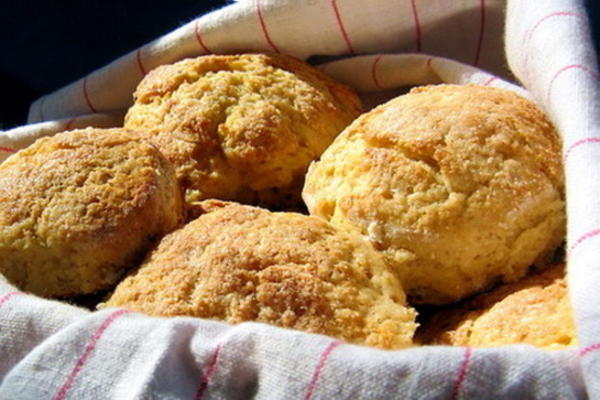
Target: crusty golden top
[(535, 310), (241, 127), (456, 185), (78, 207), (239, 263)]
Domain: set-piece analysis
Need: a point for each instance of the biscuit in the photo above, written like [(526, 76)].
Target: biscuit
[(535, 311), (458, 187), (239, 263), (241, 127), (78, 208)]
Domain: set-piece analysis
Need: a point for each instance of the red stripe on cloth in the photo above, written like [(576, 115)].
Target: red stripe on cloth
[(138, 56), (341, 26), (481, 31), (529, 34), (429, 61), (413, 5), (579, 143), (319, 368), (374, 71), (199, 38), (210, 370), (588, 349), (7, 297), (566, 68), (7, 149), (546, 17), (582, 239), (62, 392), (69, 123), (489, 81), (462, 373), (86, 97), (264, 27)]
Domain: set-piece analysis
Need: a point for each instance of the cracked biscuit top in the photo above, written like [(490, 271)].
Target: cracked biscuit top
[(239, 263), (535, 310), (77, 209), (457, 186), (241, 127)]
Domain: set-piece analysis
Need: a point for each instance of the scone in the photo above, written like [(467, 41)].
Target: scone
[(535, 310), (239, 263), (458, 187), (78, 208), (241, 127)]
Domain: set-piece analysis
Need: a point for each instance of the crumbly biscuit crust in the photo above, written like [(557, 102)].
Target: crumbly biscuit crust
[(535, 310), (78, 208), (241, 127), (239, 263), (458, 186)]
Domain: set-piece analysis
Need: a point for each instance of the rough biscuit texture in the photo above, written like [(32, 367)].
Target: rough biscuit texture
[(239, 263), (78, 208), (241, 127), (535, 310), (458, 187)]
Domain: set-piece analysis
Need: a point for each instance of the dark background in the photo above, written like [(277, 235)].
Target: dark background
[(45, 45)]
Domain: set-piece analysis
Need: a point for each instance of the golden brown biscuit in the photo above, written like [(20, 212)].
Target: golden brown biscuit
[(239, 263), (78, 208), (535, 310), (241, 127), (458, 186)]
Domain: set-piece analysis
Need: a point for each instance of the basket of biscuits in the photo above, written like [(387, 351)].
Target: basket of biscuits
[(248, 207)]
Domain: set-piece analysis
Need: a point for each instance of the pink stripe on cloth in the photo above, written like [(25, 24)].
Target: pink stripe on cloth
[(579, 143), (588, 349), (138, 56), (481, 31), (199, 38), (546, 17), (340, 23), (86, 96), (62, 392), (529, 34), (69, 123), (264, 27), (582, 239), (566, 68), (462, 373), (489, 81), (7, 149), (413, 6), (210, 370), (8, 296), (374, 71), (319, 368)]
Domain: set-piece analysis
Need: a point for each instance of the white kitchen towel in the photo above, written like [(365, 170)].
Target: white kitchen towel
[(51, 350), (116, 354)]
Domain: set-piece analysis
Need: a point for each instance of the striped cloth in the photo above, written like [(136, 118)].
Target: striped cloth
[(50, 350)]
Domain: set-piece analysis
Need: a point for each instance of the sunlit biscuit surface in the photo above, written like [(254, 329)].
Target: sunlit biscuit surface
[(457, 186), (242, 127), (77, 209), (535, 311), (239, 263)]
